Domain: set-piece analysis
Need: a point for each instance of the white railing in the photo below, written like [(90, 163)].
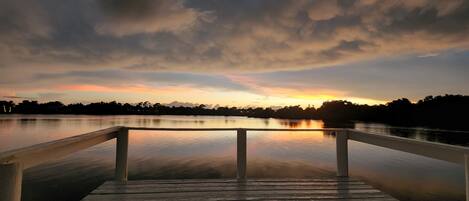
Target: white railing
[(12, 163)]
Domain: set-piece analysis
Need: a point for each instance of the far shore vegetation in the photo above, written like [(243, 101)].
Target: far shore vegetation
[(448, 111)]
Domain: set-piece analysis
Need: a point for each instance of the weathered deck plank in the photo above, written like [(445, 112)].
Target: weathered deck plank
[(227, 189)]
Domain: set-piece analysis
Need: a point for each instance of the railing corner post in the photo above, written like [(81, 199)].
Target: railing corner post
[(342, 153), (241, 150), (466, 173), (121, 154), (11, 176)]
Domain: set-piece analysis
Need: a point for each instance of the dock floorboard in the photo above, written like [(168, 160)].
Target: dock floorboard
[(231, 189)]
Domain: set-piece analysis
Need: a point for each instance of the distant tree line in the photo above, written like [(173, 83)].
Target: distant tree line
[(448, 111)]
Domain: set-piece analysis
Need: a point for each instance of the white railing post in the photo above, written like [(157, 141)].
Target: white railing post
[(342, 153), (121, 154), (11, 176), (241, 151), (466, 172)]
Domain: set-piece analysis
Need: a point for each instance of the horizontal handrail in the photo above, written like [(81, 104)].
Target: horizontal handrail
[(446, 152), (234, 129), (39, 153)]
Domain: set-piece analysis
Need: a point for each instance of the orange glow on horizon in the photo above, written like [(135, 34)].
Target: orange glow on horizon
[(259, 96)]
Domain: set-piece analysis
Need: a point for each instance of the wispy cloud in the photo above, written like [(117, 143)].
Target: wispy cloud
[(137, 78), (431, 54), (123, 88), (17, 97)]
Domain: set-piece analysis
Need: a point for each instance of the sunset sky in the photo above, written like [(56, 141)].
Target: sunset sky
[(237, 53)]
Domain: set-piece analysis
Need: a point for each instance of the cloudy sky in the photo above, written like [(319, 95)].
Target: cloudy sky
[(234, 52)]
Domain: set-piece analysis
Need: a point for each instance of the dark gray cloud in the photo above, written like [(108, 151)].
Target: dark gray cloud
[(347, 47), (124, 17), (221, 35)]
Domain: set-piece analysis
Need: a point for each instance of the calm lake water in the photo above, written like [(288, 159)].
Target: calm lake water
[(170, 155)]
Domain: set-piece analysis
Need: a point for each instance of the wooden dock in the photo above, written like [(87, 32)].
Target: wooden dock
[(232, 189)]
